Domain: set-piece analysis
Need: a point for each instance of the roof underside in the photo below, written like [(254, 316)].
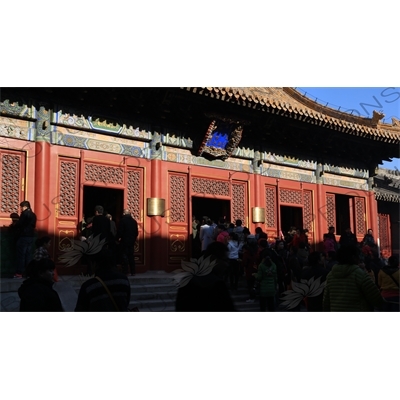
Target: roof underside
[(276, 120), (291, 103)]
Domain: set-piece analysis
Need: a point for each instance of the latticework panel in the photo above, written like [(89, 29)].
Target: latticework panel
[(330, 210), (239, 202), (308, 215), (10, 182), (178, 190), (359, 210), (104, 174), (68, 188), (209, 186), (290, 196), (134, 194), (384, 234), (270, 209)]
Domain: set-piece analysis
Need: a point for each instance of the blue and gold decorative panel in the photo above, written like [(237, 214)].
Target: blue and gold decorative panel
[(221, 139)]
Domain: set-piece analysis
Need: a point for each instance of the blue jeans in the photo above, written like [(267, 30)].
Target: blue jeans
[(24, 253)]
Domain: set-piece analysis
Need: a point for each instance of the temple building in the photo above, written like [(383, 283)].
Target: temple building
[(268, 156)]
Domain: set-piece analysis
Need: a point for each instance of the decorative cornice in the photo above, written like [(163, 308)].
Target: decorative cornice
[(15, 109)]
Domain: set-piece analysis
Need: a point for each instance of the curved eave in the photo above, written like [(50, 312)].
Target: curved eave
[(391, 197), (282, 101)]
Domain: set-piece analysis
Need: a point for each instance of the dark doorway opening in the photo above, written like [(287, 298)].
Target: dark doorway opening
[(343, 221), (212, 208), (111, 199), (291, 216)]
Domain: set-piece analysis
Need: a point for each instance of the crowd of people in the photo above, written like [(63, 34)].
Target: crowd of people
[(354, 275), (272, 267), (120, 240), (107, 288)]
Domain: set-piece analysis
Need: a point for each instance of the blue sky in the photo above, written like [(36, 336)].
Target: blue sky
[(361, 101)]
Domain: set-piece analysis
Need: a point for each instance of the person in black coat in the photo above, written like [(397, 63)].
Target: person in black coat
[(127, 234), (348, 238), (36, 292), (93, 296), (101, 225), (207, 292), (25, 226), (315, 269)]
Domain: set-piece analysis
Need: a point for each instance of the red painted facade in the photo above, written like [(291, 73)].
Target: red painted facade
[(53, 179), (55, 176)]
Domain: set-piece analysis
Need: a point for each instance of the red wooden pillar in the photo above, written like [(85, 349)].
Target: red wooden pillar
[(373, 214), (158, 239), (258, 201), (278, 208), (320, 205), (42, 184), (43, 207)]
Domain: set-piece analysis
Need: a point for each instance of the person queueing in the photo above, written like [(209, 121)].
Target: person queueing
[(234, 247), (25, 226), (268, 278), (101, 225), (249, 265), (36, 292), (109, 290), (206, 292), (348, 287), (127, 233), (388, 282), (42, 251)]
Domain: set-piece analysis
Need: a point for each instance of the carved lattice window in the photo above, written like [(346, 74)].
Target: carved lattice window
[(209, 186), (177, 185), (359, 205), (68, 184), (134, 194), (270, 209), (239, 202), (330, 210), (10, 182), (384, 234), (291, 196), (308, 210), (104, 174)]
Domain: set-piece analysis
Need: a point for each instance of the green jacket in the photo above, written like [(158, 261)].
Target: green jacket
[(268, 278), (349, 288)]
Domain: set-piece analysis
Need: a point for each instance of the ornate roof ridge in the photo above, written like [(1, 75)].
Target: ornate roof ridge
[(285, 100), (395, 173)]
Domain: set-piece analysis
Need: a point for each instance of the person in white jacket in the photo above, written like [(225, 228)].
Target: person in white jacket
[(206, 233), (234, 247)]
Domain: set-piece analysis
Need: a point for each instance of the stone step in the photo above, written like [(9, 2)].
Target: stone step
[(153, 295), (153, 305), (148, 287), (151, 292)]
